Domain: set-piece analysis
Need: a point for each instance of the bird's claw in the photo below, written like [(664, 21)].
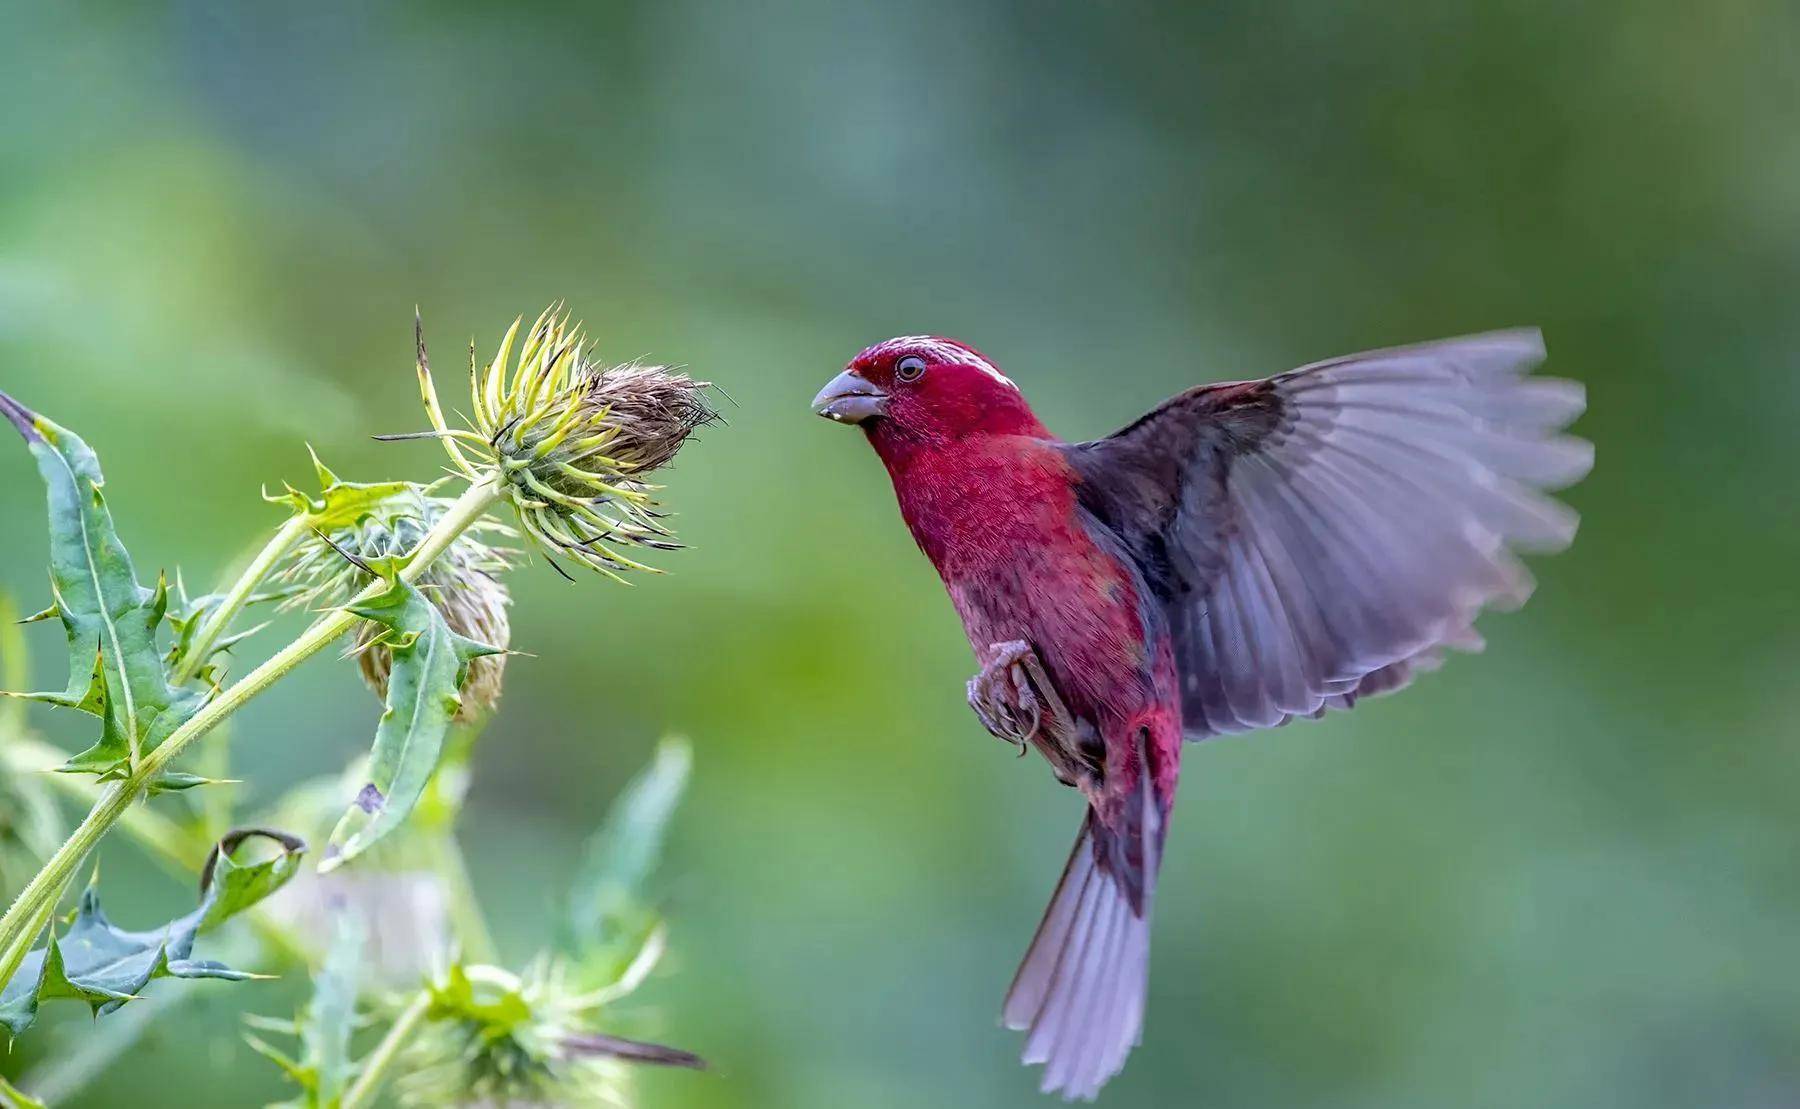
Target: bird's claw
[(995, 714), (1013, 697), (993, 694), (1027, 700)]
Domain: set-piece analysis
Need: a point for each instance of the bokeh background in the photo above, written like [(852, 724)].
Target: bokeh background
[(1565, 873)]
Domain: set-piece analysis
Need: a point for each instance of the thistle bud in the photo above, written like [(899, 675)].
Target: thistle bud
[(474, 606), (572, 441), (462, 583), (499, 1039)]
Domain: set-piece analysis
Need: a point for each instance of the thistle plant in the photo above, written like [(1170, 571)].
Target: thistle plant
[(413, 573), (477, 1034)]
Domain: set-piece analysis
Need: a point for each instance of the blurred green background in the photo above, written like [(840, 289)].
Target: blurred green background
[(1565, 873)]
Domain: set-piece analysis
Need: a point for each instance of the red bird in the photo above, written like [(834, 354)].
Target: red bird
[(1245, 554)]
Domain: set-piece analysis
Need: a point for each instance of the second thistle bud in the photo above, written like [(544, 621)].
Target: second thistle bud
[(463, 584), (473, 606), (528, 1040)]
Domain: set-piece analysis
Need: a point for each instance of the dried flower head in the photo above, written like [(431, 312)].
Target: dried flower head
[(463, 583), (573, 441), (473, 606), (499, 1039)]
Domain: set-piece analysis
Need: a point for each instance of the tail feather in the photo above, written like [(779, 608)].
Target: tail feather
[(1079, 994)]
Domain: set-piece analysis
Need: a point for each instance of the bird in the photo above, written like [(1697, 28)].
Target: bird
[(1245, 554)]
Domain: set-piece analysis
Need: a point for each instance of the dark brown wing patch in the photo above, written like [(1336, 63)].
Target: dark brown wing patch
[(1327, 533)]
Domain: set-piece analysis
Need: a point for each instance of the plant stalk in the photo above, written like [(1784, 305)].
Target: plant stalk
[(118, 797), (165, 840), (260, 567), (13, 953), (167, 843), (375, 1067)]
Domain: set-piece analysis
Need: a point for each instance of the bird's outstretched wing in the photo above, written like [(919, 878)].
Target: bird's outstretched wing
[(1324, 534)]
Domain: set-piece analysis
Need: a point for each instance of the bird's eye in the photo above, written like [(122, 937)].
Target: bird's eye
[(909, 368)]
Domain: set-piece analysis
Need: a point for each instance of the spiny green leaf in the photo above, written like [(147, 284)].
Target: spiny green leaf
[(430, 663), (454, 997), (76, 1052), (189, 615), (104, 965), (608, 889), (232, 886), (99, 600), (110, 757), (324, 1069), (177, 781), (339, 503)]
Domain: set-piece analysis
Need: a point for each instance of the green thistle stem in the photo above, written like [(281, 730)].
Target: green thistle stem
[(260, 567), (15, 950), (375, 1067), (216, 805), (39, 896), (162, 837), (180, 851)]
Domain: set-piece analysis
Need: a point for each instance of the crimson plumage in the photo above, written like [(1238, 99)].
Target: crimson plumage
[(1244, 554)]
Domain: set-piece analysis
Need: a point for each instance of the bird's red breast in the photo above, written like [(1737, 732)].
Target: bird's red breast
[(998, 517)]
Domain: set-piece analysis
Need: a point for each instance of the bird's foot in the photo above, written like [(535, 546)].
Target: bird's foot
[(993, 694), (1013, 697), (1002, 696)]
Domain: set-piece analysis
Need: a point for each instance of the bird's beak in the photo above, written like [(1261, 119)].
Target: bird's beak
[(850, 399)]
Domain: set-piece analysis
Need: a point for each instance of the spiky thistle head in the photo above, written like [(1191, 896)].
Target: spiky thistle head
[(494, 1038), (573, 441), (463, 583)]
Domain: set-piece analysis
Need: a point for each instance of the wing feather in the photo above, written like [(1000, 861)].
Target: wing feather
[(1328, 533)]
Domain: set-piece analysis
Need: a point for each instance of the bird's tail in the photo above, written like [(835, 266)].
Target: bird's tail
[(1079, 994)]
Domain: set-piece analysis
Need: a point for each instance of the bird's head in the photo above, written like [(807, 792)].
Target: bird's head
[(923, 389)]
